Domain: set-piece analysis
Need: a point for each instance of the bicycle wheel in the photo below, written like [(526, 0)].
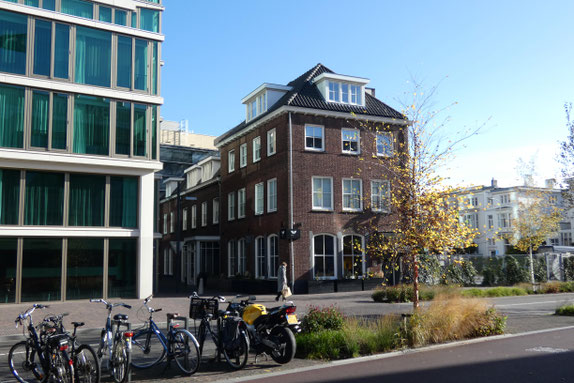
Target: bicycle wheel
[(147, 349), (185, 352), (60, 370), (86, 365), (119, 365), (236, 351), (23, 363)]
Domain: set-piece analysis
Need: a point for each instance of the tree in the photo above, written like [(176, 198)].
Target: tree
[(566, 157), (424, 217)]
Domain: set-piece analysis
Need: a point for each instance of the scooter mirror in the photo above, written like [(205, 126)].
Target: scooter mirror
[(252, 298)]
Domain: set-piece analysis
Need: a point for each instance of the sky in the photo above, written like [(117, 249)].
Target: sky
[(505, 66)]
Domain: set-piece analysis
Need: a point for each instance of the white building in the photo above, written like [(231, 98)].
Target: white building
[(79, 121), (493, 210)]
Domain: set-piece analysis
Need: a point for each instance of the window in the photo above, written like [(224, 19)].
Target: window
[(490, 221), (350, 141), (44, 199), (471, 220), (273, 261), (385, 144), (141, 65), (256, 149), (334, 91), (324, 256), (62, 51), (380, 196), (243, 155), (241, 203), (184, 220), (490, 201), (345, 93), (566, 239), (149, 20), (9, 196), (215, 211), (504, 220), (272, 195), (231, 258), (87, 199), (352, 195), (91, 125), (124, 202), (194, 216), (11, 116), (259, 198), (42, 47), (322, 193), (167, 262), (14, 35), (123, 127), (41, 254), (124, 62), (206, 170), (271, 142), (171, 222), (9, 256), (140, 130), (231, 206), (505, 199), (356, 93), (84, 268), (120, 17), (165, 223), (256, 106), (241, 256), (231, 161), (105, 14), (491, 242), (353, 256), (260, 258), (93, 56), (204, 214), (78, 8), (314, 138)]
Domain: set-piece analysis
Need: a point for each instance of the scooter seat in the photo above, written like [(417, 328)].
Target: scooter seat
[(120, 317)]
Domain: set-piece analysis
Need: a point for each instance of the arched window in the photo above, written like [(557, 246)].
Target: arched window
[(273, 261), (324, 256), (231, 258), (353, 256), (241, 257), (260, 258)]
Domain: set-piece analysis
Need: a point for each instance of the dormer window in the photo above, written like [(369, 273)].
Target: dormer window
[(259, 101), (342, 89)]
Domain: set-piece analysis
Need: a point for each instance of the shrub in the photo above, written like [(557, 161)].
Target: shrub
[(404, 293), (319, 319), (567, 310), (460, 273), (569, 268), (550, 288), (513, 273), (567, 287), (494, 292)]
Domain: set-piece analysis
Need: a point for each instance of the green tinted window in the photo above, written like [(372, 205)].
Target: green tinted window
[(140, 130), (91, 125), (79, 8), (93, 56), (41, 269), (59, 120), (134, 19), (120, 17), (13, 35), (149, 20), (85, 268), (62, 51), (124, 202), (9, 196), (154, 132), (49, 5), (154, 68), (33, 3), (105, 14), (44, 200), (40, 119), (124, 62), (141, 65), (87, 198), (8, 259), (11, 116), (122, 268), (42, 47), (123, 125)]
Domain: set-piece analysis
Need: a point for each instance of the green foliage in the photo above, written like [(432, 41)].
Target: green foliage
[(566, 310), (540, 270), (513, 272), (460, 273), (569, 268), (319, 319), (492, 272), (494, 325), (429, 269), (403, 293), (494, 292)]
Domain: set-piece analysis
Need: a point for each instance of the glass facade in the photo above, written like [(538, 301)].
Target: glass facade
[(149, 20), (124, 64), (91, 125), (42, 47), (124, 202), (9, 261), (59, 121), (93, 56), (140, 130), (9, 196), (105, 14), (44, 198), (40, 119), (141, 65), (87, 200), (122, 267), (14, 35), (78, 8), (41, 269), (11, 116), (85, 268), (62, 51), (123, 127), (120, 17)]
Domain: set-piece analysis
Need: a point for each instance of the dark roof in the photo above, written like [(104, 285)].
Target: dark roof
[(304, 94)]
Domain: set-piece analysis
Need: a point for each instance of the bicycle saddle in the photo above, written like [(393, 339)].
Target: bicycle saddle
[(120, 317), (78, 324), (171, 316)]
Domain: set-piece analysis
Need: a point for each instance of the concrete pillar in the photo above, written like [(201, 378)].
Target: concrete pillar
[(145, 264)]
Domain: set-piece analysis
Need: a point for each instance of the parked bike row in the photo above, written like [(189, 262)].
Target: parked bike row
[(52, 354)]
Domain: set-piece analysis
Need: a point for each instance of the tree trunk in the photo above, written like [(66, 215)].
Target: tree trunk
[(416, 282), (531, 261)]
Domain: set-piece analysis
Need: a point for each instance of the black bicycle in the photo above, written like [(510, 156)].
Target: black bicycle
[(42, 356), (230, 339)]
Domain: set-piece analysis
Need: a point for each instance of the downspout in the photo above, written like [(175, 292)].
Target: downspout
[(291, 247)]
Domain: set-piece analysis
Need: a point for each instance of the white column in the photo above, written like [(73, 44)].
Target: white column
[(146, 208)]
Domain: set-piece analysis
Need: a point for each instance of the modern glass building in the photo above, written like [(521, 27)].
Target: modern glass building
[(79, 122)]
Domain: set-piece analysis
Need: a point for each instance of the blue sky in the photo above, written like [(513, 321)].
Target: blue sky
[(507, 63)]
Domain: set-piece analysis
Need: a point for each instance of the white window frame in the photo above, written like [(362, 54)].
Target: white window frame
[(204, 214), (231, 258), (357, 134), (231, 161), (471, 220), (390, 139), (215, 211), (272, 195), (260, 257), (231, 206), (241, 201), (184, 220), (194, 216), (241, 256), (167, 261), (271, 142), (243, 155), (305, 136), (343, 194), (334, 91), (171, 222), (313, 192), (257, 149), (362, 253), (272, 266), (259, 199), (490, 219), (165, 223), (335, 252), (383, 194)]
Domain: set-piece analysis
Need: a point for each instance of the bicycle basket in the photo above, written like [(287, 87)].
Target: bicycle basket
[(199, 308)]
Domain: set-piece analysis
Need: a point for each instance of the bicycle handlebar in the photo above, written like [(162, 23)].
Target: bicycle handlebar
[(28, 313), (109, 305), (218, 297)]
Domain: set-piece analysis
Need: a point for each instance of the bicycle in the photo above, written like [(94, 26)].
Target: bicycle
[(86, 362), (115, 344), (150, 346), (41, 356), (231, 339)]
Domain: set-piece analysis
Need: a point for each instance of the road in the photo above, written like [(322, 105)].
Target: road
[(524, 314)]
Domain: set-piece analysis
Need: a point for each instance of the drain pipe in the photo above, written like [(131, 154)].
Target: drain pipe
[(291, 247)]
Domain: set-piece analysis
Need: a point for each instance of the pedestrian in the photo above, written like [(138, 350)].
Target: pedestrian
[(282, 281)]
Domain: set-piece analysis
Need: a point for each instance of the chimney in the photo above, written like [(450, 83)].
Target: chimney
[(494, 183), (550, 183), (370, 91)]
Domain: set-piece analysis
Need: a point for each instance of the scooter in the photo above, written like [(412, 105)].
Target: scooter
[(270, 330)]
